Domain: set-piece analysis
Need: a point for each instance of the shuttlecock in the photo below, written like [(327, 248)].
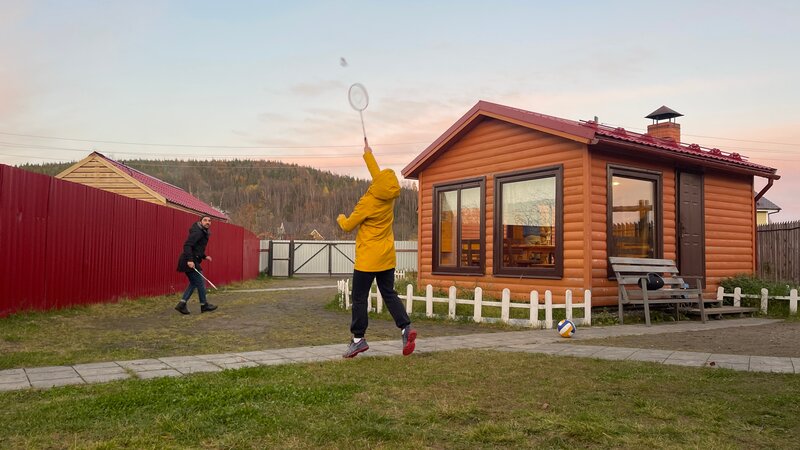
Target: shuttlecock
[(342, 62)]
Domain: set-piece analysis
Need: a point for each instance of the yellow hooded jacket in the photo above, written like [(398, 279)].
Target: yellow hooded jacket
[(375, 213)]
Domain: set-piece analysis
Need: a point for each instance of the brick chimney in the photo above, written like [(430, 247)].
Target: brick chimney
[(664, 130)]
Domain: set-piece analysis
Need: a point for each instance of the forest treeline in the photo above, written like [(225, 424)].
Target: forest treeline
[(261, 195)]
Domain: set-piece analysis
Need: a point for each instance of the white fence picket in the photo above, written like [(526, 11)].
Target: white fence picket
[(380, 301), (587, 307), (568, 303), (548, 309), (534, 315), (505, 309), (429, 301), (764, 297), (451, 303), (478, 308), (409, 299)]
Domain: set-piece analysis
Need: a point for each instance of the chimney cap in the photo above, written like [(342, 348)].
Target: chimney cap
[(663, 113)]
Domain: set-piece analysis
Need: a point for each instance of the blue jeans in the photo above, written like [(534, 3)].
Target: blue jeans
[(195, 282)]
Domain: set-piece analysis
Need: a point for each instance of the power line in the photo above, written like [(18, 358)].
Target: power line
[(252, 147), (311, 147), (741, 140), (135, 153), (793, 144), (293, 156), (184, 164), (155, 144)]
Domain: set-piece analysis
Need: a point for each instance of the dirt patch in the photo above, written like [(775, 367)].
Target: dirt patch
[(275, 318), (777, 339)]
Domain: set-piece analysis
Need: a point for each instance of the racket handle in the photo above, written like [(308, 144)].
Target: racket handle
[(361, 115)]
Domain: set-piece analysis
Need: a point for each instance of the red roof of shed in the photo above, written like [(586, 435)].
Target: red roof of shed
[(172, 194), (588, 132)]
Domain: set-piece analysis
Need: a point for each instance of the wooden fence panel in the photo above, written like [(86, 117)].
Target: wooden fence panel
[(779, 251)]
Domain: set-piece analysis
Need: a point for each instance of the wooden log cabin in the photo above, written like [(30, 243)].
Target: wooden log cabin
[(517, 199), (100, 172)]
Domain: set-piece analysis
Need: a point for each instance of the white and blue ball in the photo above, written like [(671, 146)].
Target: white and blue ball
[(566, 328)]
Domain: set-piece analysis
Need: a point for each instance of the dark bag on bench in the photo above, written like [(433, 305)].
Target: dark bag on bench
[(654, 281)]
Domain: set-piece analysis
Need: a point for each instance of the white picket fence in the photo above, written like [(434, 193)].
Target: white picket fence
[(505, 305), (737, 297)]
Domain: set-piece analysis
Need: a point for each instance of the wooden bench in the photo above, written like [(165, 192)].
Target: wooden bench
[(631, 276)]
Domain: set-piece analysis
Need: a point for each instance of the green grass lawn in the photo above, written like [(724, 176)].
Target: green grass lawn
[(463, 399)]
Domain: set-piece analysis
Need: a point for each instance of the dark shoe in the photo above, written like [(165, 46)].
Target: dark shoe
[(181, 308), (409, 336), (207, 307), (355, 348)]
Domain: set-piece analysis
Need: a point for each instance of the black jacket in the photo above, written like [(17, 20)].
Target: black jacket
[(194, 249)]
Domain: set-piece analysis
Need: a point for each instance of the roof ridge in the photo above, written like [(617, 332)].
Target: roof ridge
[(125, 166), (173, 194), (588, 130)]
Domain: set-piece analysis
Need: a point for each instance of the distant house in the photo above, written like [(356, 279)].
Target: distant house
[(101, 172), (765, 208), (315, 235), (513, 198)]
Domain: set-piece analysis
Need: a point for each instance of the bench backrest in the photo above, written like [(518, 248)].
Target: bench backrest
[(630, 270)]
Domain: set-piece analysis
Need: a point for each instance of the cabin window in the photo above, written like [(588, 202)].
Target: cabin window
[(528, 224), (634, 213), (459, 228)]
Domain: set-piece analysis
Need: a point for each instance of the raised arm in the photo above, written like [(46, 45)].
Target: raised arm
[(372, 165)]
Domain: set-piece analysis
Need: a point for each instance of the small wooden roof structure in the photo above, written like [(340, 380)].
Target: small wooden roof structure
[(102, 172)]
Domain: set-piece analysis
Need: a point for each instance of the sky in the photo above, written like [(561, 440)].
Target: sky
[(266, 80)]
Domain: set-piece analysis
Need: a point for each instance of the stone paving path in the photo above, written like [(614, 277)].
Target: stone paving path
[(532, 341)]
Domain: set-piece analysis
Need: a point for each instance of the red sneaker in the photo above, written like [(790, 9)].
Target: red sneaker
[(409, 336)]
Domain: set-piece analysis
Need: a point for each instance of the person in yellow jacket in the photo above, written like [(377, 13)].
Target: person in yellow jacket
[(375, 256)]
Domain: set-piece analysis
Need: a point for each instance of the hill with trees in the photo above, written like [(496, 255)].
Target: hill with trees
[(262, 195)]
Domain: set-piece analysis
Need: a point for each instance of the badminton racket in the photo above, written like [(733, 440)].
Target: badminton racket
[(359, 100), (204, 277)]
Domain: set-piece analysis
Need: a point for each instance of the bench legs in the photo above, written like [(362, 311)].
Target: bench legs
[(646, 303), (701, 305), (643, 283)]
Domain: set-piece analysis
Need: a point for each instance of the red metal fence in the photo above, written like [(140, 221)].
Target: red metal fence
[(63, 244)]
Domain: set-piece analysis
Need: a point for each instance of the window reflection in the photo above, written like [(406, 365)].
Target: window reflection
[(529, 223), (448, 203), (633, 217), (459, 229), (471, 227)]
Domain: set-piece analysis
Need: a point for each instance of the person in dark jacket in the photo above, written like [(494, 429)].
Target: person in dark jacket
[(194, 252)]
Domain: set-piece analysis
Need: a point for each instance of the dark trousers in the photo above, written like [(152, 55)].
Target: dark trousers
[(195, 282), (362, 282)]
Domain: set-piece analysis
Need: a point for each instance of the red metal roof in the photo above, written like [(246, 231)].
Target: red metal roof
[(677, 147), (172, 194), (588, 131)]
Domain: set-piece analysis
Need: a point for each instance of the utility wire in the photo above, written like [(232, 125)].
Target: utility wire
[(162, 154), (101, 141), (153, 144)]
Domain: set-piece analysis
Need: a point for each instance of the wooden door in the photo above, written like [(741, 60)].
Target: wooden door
[(690, 227)]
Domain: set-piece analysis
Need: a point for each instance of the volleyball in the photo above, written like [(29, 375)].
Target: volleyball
[(566, 328)]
